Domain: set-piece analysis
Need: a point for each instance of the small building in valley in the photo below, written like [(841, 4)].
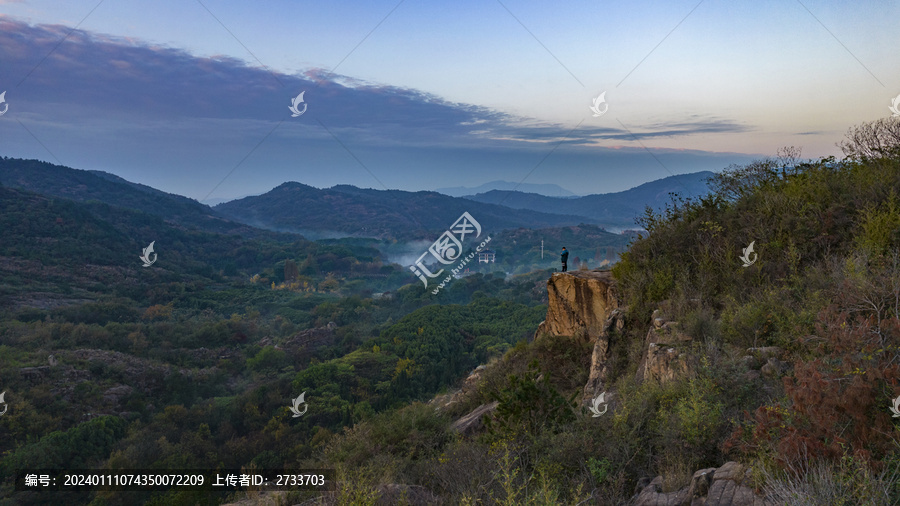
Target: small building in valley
[(487, 256)]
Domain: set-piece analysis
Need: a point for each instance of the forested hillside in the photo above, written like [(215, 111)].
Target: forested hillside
[(386, 214), (192, 361), (788, 365), (95, 186), (785, 359)]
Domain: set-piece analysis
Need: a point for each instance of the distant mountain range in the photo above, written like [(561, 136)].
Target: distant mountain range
[(617, 210), (94, 185), (344, 210), (384, 214), (550, 190)]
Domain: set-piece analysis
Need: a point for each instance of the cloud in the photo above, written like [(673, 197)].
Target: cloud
[(176, 119), (97, 75)]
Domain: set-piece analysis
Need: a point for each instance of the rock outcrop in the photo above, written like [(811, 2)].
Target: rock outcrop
[(665, 356), (583, 304), (579, 303), (474, 421), (303, 344), (764, 363), (469, 385), (600, 371), (725, 486), (116, 394)]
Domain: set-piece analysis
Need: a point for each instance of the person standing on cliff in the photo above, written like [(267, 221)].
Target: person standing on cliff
[(565, 259)]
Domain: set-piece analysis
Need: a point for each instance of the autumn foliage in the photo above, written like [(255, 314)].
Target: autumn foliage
[(839, 399)]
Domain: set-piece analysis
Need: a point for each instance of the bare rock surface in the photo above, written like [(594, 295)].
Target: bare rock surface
[(470, 384), (600, 370), (147, 374), (472, 423), (579, 303), (115, 394), (583, 304), (664, 363), (774, 368), (666, 355)]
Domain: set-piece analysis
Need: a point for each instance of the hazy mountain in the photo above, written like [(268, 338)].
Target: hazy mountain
[(613, 209), (346, 210), (550, 190), (217, 201), (377, 213), (93, 185)]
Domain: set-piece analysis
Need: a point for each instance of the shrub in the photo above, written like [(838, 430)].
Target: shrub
[(268, 360), (847, 386), (530, 404), (849, 482), (880, 226), (78, 447)]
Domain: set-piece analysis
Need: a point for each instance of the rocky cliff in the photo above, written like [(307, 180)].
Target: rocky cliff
[(583, 304), (579, 303)]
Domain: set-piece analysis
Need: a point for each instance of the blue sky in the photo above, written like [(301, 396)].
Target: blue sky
[(192, 96)]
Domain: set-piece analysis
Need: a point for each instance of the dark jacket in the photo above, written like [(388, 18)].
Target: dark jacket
[(565, 256)]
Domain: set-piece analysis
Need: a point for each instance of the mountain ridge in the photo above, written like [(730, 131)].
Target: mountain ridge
[(616, 209), (93, 185), (394, 214), (549, 189), (348, 211)]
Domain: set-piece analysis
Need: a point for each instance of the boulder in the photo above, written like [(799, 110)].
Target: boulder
[(774, 368), (35, 374), (725, 486), (470, 384), (751, 363)]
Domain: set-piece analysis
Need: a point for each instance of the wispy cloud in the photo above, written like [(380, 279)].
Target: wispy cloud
[(122, 99), (105, 77)]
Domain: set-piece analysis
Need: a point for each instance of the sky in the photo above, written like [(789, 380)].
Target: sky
[(192, 96)]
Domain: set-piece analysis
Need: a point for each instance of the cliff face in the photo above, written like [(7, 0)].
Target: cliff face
[(580, 302), (583, 304)]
